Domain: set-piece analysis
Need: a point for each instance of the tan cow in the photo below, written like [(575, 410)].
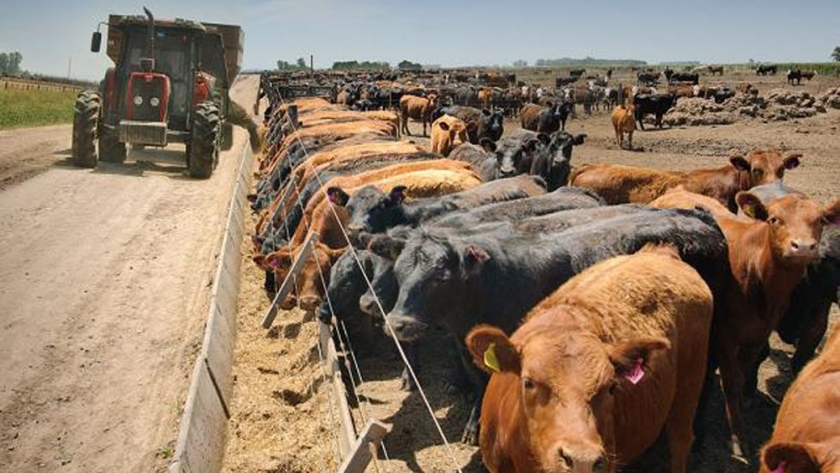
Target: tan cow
[(447, 133), (598, 369), (624, 121), (418, 109)]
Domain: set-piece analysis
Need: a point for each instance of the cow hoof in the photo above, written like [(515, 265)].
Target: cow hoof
[(470, 436)]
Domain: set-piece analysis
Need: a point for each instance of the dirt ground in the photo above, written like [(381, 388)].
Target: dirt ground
[(105, 277), (282, 422)]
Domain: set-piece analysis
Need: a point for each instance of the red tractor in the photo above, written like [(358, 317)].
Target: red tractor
[(169, 83)]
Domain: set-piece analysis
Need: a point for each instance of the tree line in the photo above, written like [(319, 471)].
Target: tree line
[(300, 64), (10, 63)]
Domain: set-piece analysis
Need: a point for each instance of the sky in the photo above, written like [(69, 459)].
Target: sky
[(54, 35)]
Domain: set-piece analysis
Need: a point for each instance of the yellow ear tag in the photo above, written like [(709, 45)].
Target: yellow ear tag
[(490, 358), (749, 210)]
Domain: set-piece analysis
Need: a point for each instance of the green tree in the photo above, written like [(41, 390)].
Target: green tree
[(408, 65), (301, 63), (836, 54), (520, 63), (10, 63)]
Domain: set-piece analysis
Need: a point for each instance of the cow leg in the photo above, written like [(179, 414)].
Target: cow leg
[(470, 436), (412, 354), (269, 284), (618, 137), (630, 140), (811, 336), (732, 381)]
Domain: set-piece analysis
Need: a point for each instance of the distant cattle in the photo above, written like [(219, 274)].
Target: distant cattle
[(447, 133), (416, 108), (545, 119), (806, 437), (656, 104), (576, 73), (648, 78), (564, 81), (481, 123), (619, 184), (766, 69), (691, 77), (808, 75), (570, 389), (624, 121), (794, 75), (715, 70)]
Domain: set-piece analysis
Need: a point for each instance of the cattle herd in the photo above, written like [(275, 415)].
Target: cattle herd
[(589, 307)]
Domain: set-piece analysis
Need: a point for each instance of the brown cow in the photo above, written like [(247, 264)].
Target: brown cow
[(623, 184), (768, 254), (807, 434), (416, 108), (598, 369), (447, 133), (624, 121)]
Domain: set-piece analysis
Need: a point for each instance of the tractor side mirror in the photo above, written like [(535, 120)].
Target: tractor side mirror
[(95, 41)]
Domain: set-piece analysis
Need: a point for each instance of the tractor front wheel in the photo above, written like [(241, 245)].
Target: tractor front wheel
[(85, 128), (203, 150), (110, 148)]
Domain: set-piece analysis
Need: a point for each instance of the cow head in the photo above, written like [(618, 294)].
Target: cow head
[(794, 224), (455, 134), (763, 166), (794, 457), (568, 385), (432, 270), (554, 164), (308, 289), (494, 121), (372, 210)]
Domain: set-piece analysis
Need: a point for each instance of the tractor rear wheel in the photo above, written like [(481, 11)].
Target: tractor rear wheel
[(204, 142), (85, 128), (110, 148)]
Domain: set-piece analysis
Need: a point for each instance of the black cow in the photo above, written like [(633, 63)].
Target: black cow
[(648, 78), (482, 157), (576, 73), (496, 277), (677, 76), (480, 123), (372, 210), (564, 81), (794, 75), (548, 119), (765, 69), (657, 104), (553, 162)]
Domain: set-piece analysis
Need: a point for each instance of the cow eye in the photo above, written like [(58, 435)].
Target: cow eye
[(528, 384), (780, 173), (757, 172), (773, 220)]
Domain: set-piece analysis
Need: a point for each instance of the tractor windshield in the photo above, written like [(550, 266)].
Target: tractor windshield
[(172, 54)]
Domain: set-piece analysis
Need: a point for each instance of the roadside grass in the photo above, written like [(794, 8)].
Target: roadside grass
[(25, 108)]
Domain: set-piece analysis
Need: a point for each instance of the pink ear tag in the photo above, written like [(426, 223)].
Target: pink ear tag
[(780, 468), (273, 263), (637, 372)]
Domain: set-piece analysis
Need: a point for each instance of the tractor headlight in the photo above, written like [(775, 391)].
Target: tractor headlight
[(154, 101), (138, 100)]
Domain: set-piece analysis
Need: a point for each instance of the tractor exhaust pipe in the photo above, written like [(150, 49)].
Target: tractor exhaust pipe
[(148, 63)]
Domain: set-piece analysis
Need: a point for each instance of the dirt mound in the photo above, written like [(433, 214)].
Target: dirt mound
[(830, 98), (777, 105)]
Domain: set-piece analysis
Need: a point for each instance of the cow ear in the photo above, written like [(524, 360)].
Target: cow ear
[(578, 139), (831, 214), (631, 358), (443, 125), (485, 112), (790, 457), (337, 196), (259, 260), (739, 162), (397, 194), (474, 256), (544, 138), (492, 350), (386, 246), (549, 103), (488, 145), (791, 161), (751, 205)]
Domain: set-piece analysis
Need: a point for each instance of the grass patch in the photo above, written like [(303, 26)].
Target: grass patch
[(22, 108)]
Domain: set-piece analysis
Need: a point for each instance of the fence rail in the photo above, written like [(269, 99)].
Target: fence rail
[(24, 84)]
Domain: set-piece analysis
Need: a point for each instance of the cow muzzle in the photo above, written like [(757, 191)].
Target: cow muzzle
[(405, 328), (803, 249)]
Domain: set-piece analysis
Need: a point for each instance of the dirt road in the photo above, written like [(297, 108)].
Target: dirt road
[(27, 153), (104, 285)]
